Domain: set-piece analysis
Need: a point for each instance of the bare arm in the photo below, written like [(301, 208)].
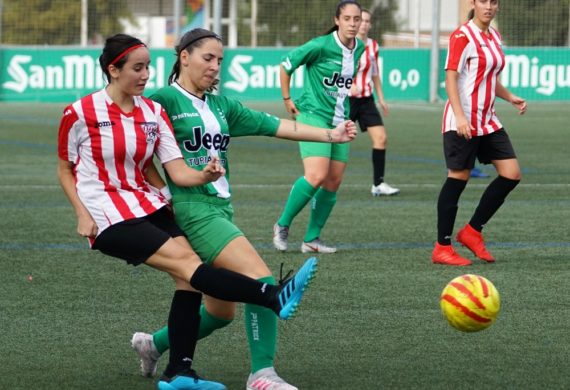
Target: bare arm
[(86, 226), (155, 179), (184, 176), (378, 88), (464, 128), (153, 176), (292, 130), (518, 102), (286, 92)]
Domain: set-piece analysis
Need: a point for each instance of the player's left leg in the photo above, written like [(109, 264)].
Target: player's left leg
[(323, 203), (260, 323), (379, 140), (495, 148)]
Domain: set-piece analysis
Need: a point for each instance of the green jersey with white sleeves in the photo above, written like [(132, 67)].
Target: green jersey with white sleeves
[(329, 69), (203, 129)]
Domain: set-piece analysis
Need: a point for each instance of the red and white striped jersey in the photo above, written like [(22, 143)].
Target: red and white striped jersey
[(479, 59), (367, 67), (110, 150)]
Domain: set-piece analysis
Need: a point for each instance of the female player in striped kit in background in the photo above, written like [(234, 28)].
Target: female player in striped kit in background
[(363, 109), (106, 144), (472, 130), (330, 63)]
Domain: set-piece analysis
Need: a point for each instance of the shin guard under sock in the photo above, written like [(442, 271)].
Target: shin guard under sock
[(231, 286), (323, 203), (301, 193), (447, 205), (183, 324), (493, 197), (261, 329), (378, 165)]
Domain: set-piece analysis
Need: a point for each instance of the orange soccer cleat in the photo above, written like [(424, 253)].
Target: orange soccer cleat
[(473, 240), (445, 254)]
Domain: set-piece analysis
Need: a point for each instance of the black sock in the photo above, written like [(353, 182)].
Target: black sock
[(183, 326), (493, 197), (447, 208), (378, 164), (230, 286)]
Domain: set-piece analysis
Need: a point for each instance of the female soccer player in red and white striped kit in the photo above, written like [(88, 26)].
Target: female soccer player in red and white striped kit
[(472, 130), (106, 144), (362, 106)]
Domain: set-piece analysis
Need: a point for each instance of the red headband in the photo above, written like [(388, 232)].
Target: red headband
[(127, 51)]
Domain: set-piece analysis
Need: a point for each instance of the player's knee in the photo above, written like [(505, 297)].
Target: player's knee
[(183, 264), (316, 179), (222, 310)]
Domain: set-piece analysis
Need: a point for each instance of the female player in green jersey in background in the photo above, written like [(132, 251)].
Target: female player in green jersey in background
[(203, 126), (331, 61)]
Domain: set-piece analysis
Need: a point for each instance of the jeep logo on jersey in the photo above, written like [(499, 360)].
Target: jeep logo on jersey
[(338, 81), (217, 141)]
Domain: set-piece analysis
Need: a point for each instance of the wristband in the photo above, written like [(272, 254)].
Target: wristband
[(165, 192), (287, 98)]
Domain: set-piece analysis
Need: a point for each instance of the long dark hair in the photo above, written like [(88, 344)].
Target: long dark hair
[(116, 52), (339, 7), (471, 14), (190, 40)]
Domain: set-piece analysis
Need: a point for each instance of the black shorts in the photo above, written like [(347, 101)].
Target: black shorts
[(461, 153), (365, 111), (135, 240)]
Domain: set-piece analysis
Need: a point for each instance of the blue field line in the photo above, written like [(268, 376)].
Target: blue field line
[(30, 119), (34, 246), (29, 145), (429, 245), (347, 247)]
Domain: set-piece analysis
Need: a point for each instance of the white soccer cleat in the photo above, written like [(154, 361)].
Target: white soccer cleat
[(267, 379), (143, 345), (280, 234), (316, 246), (384, 189)]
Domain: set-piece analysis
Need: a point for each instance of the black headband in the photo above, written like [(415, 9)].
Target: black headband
[(209, 35)]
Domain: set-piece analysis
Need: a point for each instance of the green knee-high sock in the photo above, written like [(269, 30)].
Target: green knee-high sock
[(208, 324), (323, 203), (261, 329), (300, 195)]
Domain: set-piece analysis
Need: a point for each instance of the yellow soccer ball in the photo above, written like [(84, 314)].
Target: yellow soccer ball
[(470, 303)]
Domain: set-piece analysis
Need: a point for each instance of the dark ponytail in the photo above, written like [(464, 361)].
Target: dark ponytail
[(471, 14), (116, 52), (190, 40), (339, 7)]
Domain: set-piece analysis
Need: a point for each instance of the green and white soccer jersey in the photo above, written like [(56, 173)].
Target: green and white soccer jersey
[(203, 129), (329, 69)]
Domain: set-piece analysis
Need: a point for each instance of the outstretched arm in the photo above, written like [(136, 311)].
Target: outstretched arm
[(292, 130)]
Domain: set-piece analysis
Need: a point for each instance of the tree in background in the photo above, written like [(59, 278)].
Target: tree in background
[(534, 22), (294, 22), (58, 22)]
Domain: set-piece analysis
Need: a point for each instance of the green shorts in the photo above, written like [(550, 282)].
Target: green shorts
[(207, 224), (338, 152)]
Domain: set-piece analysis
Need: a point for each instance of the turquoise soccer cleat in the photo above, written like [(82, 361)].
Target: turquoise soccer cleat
[(292, 290)]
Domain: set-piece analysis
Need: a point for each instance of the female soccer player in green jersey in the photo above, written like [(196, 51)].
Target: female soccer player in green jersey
[(203, 127), (331, 61)]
